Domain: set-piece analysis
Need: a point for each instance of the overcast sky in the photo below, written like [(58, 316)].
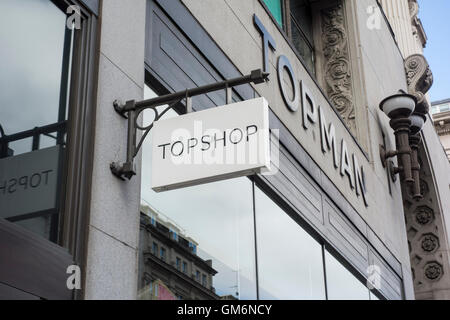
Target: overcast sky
[(434, 16)]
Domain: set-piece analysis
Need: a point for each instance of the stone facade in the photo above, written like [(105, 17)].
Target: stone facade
[(353, 76), (441, 119), (427, 219)]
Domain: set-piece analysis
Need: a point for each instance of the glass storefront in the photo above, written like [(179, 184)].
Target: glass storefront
[(230, 240), (341, 283), (289, 259), (34, 62)]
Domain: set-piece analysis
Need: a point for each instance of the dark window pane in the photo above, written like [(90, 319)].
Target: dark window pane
[(289, 260), (41, 225), (301, 30), (341, 283), (301, 13), (302, 47)]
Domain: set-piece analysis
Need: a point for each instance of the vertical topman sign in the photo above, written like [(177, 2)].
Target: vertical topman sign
[(211, 145)]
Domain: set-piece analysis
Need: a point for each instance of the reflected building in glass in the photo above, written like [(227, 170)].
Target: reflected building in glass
[(169, 260)]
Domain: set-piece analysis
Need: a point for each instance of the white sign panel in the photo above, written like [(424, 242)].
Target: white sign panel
[(215, 144), (28, 182)]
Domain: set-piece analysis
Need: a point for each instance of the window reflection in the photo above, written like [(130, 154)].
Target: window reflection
[(35, 47), (199, 243), (289, 259), (32, 35), (208, 227), (341, 283)]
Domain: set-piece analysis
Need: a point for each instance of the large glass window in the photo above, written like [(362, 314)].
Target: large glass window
[(341, 283), (289, 260), (216, 253), (214, 226), (34, 62)]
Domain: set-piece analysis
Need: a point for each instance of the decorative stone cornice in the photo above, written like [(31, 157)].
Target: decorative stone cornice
[(417, 26), (419, 79), (338, 75), (413, 8)]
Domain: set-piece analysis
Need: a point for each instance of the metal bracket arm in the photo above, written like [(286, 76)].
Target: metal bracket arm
[(132, 109)]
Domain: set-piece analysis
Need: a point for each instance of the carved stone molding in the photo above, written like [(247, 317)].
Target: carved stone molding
[(337, 71), (413, 8), (419, 79), (425, 226), (433, 271), (429, 243), (424, 215)]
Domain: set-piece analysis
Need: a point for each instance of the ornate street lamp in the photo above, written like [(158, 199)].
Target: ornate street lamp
[(418, 120), (399, 108)]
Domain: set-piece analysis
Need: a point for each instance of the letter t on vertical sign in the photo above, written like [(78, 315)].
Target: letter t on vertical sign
[(268, 41)]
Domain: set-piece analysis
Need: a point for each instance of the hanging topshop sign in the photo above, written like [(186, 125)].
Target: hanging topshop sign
[(211, 145)]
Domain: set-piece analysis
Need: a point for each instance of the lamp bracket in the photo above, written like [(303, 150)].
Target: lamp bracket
[(385, 155)]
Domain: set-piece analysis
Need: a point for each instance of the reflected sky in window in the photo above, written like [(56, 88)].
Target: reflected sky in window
[(218, 216), (289, 259), (31, 41), (341, 283)]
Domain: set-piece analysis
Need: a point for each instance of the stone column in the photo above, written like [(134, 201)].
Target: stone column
[(112, 247), (400, 14)]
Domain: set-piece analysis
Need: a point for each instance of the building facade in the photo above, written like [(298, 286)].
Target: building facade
[(330, 221), (441, 117)]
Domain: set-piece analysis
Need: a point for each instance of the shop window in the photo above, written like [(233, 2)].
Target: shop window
[(341, 283), (222, 230), (35, 57), (290, 265), (220, 219)]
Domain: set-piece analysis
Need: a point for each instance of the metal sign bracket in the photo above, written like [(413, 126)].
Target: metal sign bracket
[(132, 109)]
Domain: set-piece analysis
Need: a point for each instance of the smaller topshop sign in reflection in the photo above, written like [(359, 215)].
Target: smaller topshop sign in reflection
[(28, 182), (211, 145)]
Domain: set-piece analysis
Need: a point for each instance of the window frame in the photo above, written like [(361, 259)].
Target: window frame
[(73, 218), (325, 246), (286, 31), (74, 221)]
